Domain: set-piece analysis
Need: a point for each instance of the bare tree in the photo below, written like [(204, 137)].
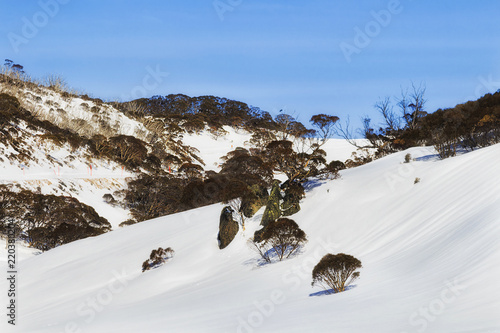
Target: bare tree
[(346, 132), (392, 121), (411, 104)]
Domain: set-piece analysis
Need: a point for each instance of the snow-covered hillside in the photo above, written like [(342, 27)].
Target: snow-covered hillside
[(60, 170), (430, 254), (212, 148), (85, 116), (30, 159)]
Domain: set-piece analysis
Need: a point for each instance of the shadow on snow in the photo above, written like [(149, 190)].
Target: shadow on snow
[(330, 291)]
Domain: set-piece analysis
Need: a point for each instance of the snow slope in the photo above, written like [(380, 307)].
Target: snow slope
[(430, 254), (61, 171), (52, 106), (212, 148)]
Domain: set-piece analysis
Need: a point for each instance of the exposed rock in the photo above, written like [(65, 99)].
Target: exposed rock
[(228, 227), (291, 202), (257, 236), (290, 206), (258, 198), (273, 210)]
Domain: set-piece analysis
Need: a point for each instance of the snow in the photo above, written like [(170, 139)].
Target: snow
[(430, 254), (212, 148), (47, 104), (59, 170), (52, 172)]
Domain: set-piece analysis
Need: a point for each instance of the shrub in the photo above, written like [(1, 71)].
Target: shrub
[(128, 150), (127, 222), (417, 180), (157, 258), (108, 198), (151, 196), (335, 272), (281, 238), (9, 108), (334, 167), (446, 149), (294, 191), (47, 221), (408, 158), (191, 170)]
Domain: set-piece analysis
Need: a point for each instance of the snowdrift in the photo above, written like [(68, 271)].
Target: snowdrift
[(430, 254)]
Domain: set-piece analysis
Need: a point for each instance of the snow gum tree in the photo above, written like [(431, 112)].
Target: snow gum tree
[(298, 154), (280, 239), (336, 272)]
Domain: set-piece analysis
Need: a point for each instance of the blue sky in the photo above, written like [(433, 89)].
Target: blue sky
[(283, 54)]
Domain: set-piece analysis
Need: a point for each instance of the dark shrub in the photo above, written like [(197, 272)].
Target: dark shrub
[(108, 198), (47, 221), (336, 272), (336, 166), (281, 239), (128, 150), (191, 170), (157, 258), (294, 191), (127, 222), (9, 108), (151, 196)]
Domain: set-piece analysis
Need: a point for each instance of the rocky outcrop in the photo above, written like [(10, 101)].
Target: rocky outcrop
[(273, 210), (228, 227), (291, 201), (258, 198)]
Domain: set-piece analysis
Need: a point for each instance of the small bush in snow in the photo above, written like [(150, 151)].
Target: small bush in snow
[(281, 239), (335, 272), (127, 222), (408, 158), (157, 258), (108, 198), (417, 180)]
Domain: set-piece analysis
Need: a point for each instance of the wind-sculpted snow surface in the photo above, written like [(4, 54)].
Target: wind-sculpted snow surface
[(430, 254)]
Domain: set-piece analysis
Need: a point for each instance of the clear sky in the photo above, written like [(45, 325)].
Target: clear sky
[(306, 57)]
